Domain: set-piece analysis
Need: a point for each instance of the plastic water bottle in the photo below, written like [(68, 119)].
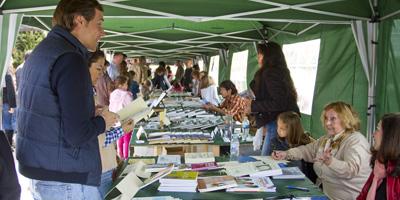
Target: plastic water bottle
[(234, 147), (245, 128)]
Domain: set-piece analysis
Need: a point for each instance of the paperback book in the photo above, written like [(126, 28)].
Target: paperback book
[(253, 184), (290, 173), (215, 183)]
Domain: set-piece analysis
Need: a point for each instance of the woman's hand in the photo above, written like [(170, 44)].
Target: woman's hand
[(326, 157), (279, 155)]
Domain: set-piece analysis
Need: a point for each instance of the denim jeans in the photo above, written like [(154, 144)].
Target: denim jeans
[(105, 183), (52, 190), (7, 120), (271, 133)]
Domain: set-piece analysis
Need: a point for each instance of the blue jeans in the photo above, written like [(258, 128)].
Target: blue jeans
[(7, 120), (105, 183), (52, 190), (271, 133)]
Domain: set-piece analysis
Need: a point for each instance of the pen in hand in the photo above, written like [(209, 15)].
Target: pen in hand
[(298, 188)]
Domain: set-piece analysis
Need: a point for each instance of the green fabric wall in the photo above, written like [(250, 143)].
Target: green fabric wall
[(388, 81), (339, 77)]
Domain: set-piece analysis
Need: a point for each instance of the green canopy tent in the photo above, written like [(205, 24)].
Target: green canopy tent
[(179, 29)]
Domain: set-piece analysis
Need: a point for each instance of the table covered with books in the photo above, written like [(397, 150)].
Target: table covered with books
[(183, 124), (218, 179)]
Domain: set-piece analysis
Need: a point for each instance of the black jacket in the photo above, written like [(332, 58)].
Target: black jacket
[(9, 186), (9, 92), (273, 96)]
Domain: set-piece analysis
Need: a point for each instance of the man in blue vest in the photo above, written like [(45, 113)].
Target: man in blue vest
[(58, 125)]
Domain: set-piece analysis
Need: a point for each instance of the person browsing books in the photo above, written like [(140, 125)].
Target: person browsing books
[(108, 154), (232, 105), (119, 98), (57, 145), (340, 157)]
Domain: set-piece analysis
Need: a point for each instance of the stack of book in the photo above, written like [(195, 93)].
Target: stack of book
[(179, 181)]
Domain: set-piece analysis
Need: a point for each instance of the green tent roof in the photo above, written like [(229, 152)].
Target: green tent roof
[(189, 27)]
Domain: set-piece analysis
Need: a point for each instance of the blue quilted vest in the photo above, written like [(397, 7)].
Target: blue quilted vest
[(42, 152)]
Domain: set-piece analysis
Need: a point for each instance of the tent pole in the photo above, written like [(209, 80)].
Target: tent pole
[(372, 47)]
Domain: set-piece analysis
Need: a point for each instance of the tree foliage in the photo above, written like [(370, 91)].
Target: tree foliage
[(26, 40)]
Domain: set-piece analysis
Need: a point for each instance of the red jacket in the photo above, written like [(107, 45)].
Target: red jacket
[(392, 185)]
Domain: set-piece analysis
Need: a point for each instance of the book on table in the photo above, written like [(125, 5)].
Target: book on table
[(179, 181), (163, 188), (214, 183), (290, 173), (254, 169), (180, 178), (131, 183), (205, 166), (253, 184), (202, 157), (167, 159)]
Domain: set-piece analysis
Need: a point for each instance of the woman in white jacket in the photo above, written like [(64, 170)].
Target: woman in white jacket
[(341, 157)]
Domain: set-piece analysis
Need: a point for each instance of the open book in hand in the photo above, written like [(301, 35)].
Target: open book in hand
[(136, 110)]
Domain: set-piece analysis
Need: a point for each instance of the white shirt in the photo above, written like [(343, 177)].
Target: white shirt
[(210, 95)]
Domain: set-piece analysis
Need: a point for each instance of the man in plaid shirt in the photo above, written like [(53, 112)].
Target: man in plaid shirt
[(232, 105)]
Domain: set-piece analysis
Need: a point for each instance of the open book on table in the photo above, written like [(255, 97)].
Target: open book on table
[(131, 183)]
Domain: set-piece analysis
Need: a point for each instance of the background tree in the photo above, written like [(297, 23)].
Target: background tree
[(26, 40)]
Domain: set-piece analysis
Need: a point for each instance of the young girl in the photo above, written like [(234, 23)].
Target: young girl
[(119, 98), (291, 134)]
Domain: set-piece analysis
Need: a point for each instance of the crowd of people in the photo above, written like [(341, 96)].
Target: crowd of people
[(68, 94)]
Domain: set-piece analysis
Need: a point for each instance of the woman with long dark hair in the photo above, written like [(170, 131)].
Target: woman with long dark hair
[(274, 91), (384, 181)]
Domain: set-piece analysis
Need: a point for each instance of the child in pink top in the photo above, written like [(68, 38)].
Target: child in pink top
[(119, 98)]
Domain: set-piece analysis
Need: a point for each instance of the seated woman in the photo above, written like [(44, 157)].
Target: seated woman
[(384, 181), (208, 91), (232, 105), (291, 134), (340, 157)]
